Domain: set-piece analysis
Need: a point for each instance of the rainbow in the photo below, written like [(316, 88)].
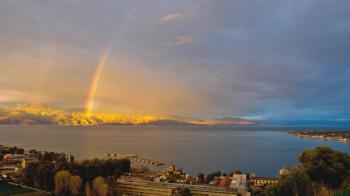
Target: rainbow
[(89, 103)]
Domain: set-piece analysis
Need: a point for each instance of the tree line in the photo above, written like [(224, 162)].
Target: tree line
[(322, 171), (75, 178)]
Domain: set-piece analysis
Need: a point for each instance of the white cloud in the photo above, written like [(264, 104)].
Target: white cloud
[(183, 40), (171, 17)]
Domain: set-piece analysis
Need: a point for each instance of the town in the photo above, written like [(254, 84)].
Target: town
[(18, 166), (340, 136)]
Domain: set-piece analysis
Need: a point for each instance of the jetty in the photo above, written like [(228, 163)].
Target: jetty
[(136, 158)]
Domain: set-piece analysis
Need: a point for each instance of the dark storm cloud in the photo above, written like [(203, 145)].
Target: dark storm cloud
[(265, 59)]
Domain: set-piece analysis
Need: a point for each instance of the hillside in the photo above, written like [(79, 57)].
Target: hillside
[(41, 114)]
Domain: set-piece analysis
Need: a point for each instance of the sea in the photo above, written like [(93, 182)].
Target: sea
[(262, 150)]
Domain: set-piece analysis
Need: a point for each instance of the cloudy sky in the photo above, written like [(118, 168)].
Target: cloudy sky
[(263, 59)]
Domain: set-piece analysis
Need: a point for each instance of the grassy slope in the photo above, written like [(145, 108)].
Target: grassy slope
[(10, 190)]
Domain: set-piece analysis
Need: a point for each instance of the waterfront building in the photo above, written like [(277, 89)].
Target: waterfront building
[(128, 186)]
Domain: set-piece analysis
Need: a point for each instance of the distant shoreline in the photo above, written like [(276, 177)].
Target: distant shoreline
[(337, 135)]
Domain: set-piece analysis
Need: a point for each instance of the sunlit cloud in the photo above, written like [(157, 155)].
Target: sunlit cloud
[(171, 17)]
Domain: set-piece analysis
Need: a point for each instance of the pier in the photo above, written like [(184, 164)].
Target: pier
[(136, 158)]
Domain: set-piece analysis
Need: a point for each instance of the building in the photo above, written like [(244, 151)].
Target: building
[(3, 149), (171, 174), (263, 181), (284, 171), (15, 157), (128, 186), (27, 161), (224, 181), (239, 182)]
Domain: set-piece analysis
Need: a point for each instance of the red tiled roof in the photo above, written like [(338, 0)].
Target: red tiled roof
[(224, 182)]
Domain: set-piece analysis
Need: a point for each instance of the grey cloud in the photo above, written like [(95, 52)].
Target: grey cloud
[(183, 40)]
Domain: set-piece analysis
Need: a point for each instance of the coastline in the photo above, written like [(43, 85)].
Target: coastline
[(337, 135)]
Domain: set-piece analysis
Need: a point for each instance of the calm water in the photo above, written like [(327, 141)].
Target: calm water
[(262, 150)]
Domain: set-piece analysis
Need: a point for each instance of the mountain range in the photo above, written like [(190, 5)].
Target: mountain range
[(28, 114)]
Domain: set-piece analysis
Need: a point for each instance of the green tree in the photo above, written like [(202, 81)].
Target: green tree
[(325, 165), (39, 175), (201, 178), (19, 151), (322, 171), (112, 184), (294, 183), (42, 174), (88, 189), (62, 179), (33, 152), (345, 193), (75, 185), (99, 187), (29, 174)]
